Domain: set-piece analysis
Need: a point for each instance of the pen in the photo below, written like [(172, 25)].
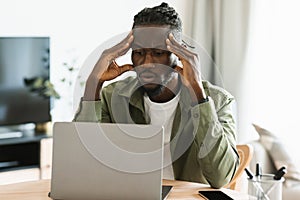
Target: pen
[(280, 173), (277, 176), (256, 184), (249, 173), (258, 172)]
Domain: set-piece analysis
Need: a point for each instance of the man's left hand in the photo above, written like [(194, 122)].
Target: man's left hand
[(190, 72)]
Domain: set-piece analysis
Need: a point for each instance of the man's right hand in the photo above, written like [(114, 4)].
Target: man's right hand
[(107, 69)]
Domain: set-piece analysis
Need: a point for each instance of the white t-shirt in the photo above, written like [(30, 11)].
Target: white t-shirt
[(163, 114)]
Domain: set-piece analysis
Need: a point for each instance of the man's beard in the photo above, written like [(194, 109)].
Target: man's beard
[(152, 92), (160, 88)]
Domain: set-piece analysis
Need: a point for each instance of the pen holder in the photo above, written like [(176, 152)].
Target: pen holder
[(265, 188)]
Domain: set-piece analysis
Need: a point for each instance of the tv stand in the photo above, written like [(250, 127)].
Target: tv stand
[(10, 135), (17, 131), (25, 158)]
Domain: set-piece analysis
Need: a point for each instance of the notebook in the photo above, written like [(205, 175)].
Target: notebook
[(107, 161)]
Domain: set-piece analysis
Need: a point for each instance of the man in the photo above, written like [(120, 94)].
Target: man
[(197, 116)]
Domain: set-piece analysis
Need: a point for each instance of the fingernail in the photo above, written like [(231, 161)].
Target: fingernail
[(168, 47)]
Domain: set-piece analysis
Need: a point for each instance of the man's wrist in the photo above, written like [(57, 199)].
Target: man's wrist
[(92, 90)]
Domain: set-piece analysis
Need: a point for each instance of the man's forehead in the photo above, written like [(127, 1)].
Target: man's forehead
[(150, 37)]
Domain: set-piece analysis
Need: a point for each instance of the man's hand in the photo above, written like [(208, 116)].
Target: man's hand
[(190, 71), (107, 69)]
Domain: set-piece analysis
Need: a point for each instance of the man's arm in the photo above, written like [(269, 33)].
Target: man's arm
[(93, 111), (104, 70), (88, 111), (215, 135), (214, 129)]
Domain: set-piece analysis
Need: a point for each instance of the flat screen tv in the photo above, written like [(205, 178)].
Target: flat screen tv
[(23, 59)]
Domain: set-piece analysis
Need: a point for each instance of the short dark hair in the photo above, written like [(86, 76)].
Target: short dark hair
[(159, 15)]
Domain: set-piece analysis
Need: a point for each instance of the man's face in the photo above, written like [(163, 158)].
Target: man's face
[(152, 61)]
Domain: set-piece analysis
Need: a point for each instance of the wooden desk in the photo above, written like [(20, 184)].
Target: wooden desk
[(38, 190)]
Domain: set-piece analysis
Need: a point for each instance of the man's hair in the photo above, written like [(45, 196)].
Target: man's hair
[(159, 15)]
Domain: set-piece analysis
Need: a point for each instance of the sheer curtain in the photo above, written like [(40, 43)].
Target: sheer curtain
[(255, 44), (222, 28), (274, 56)]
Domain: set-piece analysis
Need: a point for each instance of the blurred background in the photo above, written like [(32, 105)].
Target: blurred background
[(254, 45)]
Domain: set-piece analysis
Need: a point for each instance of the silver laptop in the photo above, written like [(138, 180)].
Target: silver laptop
[(106, 161)]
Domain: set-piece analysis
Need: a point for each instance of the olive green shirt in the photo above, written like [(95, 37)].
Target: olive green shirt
[(203, 136)]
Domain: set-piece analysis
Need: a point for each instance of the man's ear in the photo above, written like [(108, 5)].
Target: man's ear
[(174, 60)]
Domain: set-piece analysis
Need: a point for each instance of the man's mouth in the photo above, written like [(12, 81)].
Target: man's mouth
[(148, 77)]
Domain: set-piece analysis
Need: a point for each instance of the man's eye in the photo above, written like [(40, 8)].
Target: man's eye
[(158, 53), (139, 52)]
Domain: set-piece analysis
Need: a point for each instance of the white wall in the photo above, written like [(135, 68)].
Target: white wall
[(76, 28)]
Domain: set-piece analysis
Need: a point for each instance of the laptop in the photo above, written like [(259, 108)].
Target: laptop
[(107, 161)]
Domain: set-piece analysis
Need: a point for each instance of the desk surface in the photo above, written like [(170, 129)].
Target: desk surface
[(38, 190)]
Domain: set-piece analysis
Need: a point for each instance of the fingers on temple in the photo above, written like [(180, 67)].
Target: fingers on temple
[(178, 49), (122, 48)]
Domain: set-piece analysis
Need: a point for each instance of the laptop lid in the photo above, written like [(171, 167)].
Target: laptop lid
[(106, 161)]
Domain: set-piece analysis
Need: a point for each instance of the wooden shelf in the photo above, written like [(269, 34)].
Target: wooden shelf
[(30, 158)]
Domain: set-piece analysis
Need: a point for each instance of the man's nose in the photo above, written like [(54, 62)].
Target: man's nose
[(148, 61)]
